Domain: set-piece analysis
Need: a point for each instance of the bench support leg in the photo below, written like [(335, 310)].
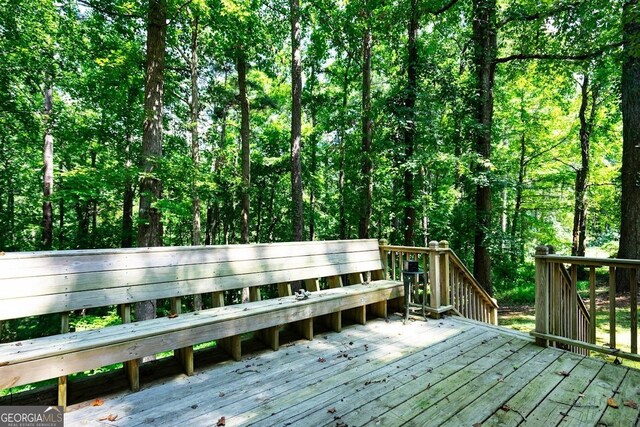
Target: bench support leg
[(360, 315), (270, 337), (335, 321), (187, 360), (305, 328), (133, 374), (232, 346), (379, 309), (62, 392)]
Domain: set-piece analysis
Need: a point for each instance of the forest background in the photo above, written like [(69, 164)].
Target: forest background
[(497, 125)]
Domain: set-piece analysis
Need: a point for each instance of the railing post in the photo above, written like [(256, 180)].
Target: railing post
[(384, 259), (445, 279), (434, 274), (542, 295)]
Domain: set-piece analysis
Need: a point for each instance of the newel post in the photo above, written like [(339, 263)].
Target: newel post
[(444, 273), (434, 274), (384, 258), (542, 294)]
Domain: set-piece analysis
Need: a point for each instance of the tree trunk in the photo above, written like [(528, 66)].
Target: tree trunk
[(241, 66), (342, 135), (194, 112), (410, 124), (194, 108), (485, 47), (367, 133), (47, 205), (150, 225), (127, 198), (296, 123), (582, 174), (515, 221), (313, 140), (630, 203)]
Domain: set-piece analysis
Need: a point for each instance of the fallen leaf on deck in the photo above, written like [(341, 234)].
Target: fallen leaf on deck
[(221, 394), (221, 422), (563, 373), (172, 316), (194, 406), (612, 403), (630, 404), (331, 410), (506, 408), (97, 402), (580, 394), (321, 359), (109, 417), (477, 425)]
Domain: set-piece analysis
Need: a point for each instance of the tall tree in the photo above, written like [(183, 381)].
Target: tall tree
[(586, 118), (630, 206), (409, 125), (150, 225), (47, 204), (484, 54), (366, 197), (194, 113), (245, 132), (296, 123)]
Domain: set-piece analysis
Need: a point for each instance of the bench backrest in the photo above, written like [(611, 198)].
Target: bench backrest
[(37, 283)]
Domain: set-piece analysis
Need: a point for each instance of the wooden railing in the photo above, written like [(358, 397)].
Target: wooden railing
[(449, 284), (563, 320)]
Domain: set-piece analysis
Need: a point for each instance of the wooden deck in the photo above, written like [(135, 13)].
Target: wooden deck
[(448, 372)]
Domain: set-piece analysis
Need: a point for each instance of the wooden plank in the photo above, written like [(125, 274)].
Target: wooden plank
[(312, 285), (624, 415), (44, 263), (281, 371), (348, 395), (633, 277), (588, 346), (379, 309), (612, 307), (229, 346), (73, 282), (573, 303), (455, 395), (242, 396), (326, 302), (560, 400), (592, 305), (30, 349), (408, 400), (334, 282), (305, 328), (10, 309), (254, 294), (591, 403), (270, 412), (355, 278), (284, 289), (503, 385), (534, 392), (335, 321)]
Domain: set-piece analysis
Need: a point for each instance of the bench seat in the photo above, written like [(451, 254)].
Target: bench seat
[(56, 282), (28, 361)]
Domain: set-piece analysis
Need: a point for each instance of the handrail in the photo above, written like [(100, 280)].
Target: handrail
[(549, 316), (474, 282), (451, 284)]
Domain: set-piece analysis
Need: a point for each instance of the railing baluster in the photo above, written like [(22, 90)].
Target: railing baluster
[(573, 302), (612, 307), (592, 305), (633, 278)]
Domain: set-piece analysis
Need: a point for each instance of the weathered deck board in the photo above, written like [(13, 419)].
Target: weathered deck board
[(439, 372)]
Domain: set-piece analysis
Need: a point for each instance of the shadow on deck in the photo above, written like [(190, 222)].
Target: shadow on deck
[(450, 372)]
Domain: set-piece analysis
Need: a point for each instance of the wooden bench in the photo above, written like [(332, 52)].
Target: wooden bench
[(40, 283)]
